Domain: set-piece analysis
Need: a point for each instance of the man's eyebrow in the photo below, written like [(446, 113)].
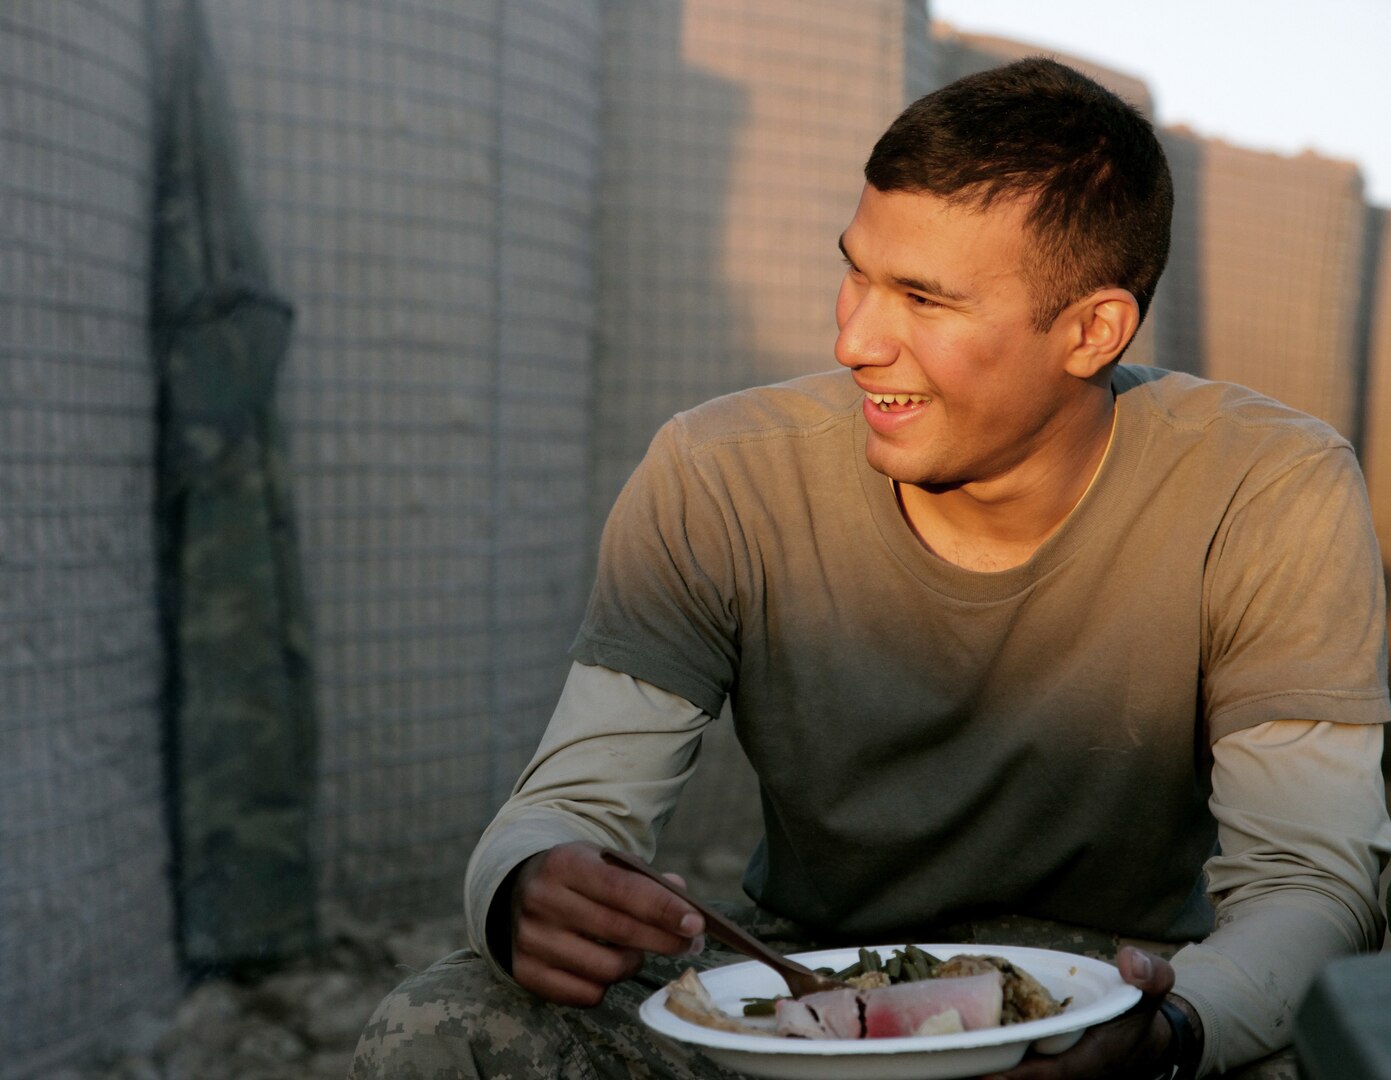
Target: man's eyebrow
[(929, 285), (932, 287)]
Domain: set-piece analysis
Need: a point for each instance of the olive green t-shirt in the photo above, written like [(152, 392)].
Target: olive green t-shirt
[(934, 743)]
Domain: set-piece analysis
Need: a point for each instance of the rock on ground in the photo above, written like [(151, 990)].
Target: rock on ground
[(298, 1023), (302, 1021)]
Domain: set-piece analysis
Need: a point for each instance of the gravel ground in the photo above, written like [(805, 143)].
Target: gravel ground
[(298, 1023), (302, 1022)]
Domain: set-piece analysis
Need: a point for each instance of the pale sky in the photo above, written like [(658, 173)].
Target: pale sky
[(1282, 75)]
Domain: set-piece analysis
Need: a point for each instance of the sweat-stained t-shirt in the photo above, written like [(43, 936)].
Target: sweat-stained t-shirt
[(1288, 611), (1301, 822), (934, 743)]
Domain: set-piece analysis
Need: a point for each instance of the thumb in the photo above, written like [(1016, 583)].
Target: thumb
[(1150, 974), (698, 941)]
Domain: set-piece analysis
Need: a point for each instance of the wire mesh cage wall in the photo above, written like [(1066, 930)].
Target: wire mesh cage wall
[(518, 235), (426, 178), (85, 917), (1281, 251), (1377, 453), (429, 176), (425, 172), (732, 158)]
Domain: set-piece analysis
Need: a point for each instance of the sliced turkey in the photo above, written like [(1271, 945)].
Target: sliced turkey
[(914, 1008)]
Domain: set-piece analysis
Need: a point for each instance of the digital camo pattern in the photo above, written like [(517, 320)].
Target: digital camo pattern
[(240, 717), (455, 1021)]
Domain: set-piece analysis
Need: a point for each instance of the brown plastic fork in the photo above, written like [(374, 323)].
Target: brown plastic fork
[(800, 980)]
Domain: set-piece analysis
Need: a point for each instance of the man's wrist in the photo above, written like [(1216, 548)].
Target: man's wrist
[(498, 922), (1185, 1049)]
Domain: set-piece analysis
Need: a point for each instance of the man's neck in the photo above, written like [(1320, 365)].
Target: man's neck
[(1000, 523)]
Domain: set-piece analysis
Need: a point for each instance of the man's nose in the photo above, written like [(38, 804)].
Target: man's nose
[(866, 338)]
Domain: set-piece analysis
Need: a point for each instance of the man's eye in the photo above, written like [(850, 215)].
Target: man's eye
[(922, 301)]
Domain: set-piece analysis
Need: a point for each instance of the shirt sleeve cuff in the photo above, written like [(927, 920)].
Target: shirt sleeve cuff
[(500, 851), (1248, 978)]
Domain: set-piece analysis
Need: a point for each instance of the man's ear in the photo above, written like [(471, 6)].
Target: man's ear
[(1105, 322)]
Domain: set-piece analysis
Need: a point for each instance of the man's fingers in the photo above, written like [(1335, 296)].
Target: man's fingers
[(1151, 975), (596, 961), (645, 900), (601, 921), (579, 977), (573, 887), (580, 924), (675, 878), (632, 895)]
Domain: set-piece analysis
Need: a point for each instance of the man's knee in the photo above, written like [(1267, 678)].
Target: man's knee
[(455, 1021)]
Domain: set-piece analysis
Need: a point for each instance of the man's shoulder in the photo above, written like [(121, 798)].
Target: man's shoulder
[(1212, 408), (797, 408)]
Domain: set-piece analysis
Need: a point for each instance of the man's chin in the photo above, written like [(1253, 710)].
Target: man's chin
[(901, 471), (932, 484)]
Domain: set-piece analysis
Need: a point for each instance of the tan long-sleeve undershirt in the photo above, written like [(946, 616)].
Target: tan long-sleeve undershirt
[(1302, 827)]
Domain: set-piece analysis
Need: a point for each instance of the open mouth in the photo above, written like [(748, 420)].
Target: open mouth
[(895, 402)]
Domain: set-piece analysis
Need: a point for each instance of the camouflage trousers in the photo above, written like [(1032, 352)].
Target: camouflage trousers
[(456, 1021)]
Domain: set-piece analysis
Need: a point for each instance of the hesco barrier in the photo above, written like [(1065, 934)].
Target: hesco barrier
[(517, 236), (85, 913), (425, 177)]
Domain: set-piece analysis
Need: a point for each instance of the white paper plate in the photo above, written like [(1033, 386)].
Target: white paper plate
[(1096, 988)]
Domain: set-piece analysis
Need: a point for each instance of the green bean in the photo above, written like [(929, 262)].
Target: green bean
[(926, 957), (908, 964)]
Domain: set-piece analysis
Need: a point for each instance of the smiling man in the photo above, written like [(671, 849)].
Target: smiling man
[(990, 427), (1025, 646)]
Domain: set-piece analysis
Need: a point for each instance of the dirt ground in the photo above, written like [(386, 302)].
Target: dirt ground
[(298, 1023), (302, 1022)]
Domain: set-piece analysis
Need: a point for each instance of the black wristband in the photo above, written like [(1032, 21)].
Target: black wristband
[(1184, 1052)]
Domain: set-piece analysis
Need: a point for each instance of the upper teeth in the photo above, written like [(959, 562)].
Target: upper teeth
[(897, 399)]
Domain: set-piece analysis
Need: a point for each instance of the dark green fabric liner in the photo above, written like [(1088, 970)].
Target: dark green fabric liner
[(239, 708)]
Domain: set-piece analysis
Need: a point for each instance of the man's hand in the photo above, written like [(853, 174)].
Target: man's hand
[(1130, 1046), (580, 924)]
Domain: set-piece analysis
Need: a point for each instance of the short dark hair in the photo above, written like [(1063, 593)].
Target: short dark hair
[(1102, 196)]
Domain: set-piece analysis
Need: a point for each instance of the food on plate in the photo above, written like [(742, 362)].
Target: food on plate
[(1025, 997), (914, 994), (929, 1007), (688, 999)]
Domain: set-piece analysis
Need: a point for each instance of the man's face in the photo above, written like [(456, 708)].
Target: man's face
[(935, 319)]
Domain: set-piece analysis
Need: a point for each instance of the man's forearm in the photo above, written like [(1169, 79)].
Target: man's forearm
[(1246, 981), (642, 740), (1303, 832)]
